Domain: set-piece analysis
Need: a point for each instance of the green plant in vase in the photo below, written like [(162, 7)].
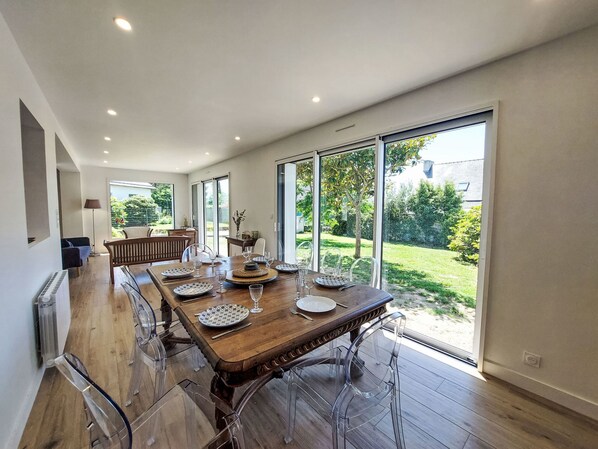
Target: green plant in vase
[(237, 219)]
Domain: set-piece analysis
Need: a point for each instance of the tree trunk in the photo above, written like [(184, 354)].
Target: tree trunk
[(358, 230)]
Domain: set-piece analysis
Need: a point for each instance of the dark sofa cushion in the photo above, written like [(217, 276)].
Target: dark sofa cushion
[(75, 251)]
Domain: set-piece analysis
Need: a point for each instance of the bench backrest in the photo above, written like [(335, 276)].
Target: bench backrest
[(146, 250)]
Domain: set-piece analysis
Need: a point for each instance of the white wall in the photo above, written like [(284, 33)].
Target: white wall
[(24, 269), (543, 282), (71, 204), (94, 181)]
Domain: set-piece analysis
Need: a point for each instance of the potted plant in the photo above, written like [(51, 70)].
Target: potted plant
[(237, 219)]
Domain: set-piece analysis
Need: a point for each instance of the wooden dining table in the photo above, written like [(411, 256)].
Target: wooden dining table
[(276, 338)]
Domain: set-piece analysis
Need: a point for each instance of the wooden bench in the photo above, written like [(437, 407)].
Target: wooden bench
[(145, 250)]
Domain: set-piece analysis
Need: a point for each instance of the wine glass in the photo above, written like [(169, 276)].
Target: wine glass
[(213, 256), (269, 259), (196, 260), (309, 284), (256, 290), (221, 279), (246, 253)]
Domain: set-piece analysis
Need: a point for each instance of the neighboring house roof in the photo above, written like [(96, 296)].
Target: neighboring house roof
[(467, 176)]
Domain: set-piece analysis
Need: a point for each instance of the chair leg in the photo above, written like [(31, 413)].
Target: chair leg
[(339, 433), (159, 383), (292, 408), (197, 358), (397, 421), (133, 351), (135, 379)]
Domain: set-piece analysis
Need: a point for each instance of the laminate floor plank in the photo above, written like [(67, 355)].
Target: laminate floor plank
[(445, 404)]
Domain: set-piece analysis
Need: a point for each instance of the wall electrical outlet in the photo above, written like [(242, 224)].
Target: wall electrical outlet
[(532, 359)]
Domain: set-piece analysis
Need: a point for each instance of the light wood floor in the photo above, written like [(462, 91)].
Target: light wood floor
[(445, 404)]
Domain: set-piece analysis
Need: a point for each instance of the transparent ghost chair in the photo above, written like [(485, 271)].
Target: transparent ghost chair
[(364, 271), (183, 418), (149, 349), (304, 255), (197, 253), (331, 262), (364, 391), (132, 281)]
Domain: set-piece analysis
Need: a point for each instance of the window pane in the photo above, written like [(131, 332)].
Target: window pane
[(347, 205)]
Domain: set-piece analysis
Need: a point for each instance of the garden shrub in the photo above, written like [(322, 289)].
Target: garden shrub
[(141, 210), (466, 235)]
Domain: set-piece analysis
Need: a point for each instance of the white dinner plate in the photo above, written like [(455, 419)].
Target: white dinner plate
[(287, 267), (223, 315), (194, 289), (182, 272), (330, 281), (316, 304)]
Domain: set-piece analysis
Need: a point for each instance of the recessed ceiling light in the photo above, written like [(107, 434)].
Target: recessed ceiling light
[(106, 151), (190, 161), (237, 138), (111, 112), (107, 139), (123, 23), (177, 168), (207, 153), (316, 99), (105, 162)]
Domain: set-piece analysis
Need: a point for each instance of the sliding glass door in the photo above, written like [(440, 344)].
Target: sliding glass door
[(295, 206), (413, 200), (215, 214), (347, 183), (431, 229)]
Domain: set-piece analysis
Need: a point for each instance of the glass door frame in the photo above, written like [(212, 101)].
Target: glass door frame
[(470, 119), (199, 207), (489, 111), (279, 227)]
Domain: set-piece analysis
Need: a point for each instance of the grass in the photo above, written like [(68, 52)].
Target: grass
[(430, 273)]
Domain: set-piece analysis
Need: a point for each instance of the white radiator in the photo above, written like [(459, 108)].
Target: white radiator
[(54, 312)]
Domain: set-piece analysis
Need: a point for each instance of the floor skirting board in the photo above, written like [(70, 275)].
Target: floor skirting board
[(564, 398)]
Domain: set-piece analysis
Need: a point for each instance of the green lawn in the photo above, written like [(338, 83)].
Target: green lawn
[(431, 273)]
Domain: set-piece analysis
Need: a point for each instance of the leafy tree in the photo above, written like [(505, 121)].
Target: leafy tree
[(449, 205), (466, 235), (118, 212), (348, 178), (424, 205), (141, 210), (162, 196), (304, 190)]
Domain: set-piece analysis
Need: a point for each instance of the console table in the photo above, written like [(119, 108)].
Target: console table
[(233, 241)]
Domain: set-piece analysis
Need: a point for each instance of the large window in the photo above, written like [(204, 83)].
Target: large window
[(414, 201), (141, 204)]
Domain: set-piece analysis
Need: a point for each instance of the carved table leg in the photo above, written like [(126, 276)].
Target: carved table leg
[(224, 392)]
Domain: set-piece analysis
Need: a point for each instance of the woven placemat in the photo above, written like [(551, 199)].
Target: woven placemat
[(249, 274)]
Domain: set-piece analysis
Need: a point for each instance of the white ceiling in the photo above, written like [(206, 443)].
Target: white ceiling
[(194, 74)]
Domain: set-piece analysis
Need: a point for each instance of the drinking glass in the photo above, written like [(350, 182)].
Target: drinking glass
[(256, 290), (221, 279), (196, 260), (309, 284), (213, 256), (246, 253), (269, 259)]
